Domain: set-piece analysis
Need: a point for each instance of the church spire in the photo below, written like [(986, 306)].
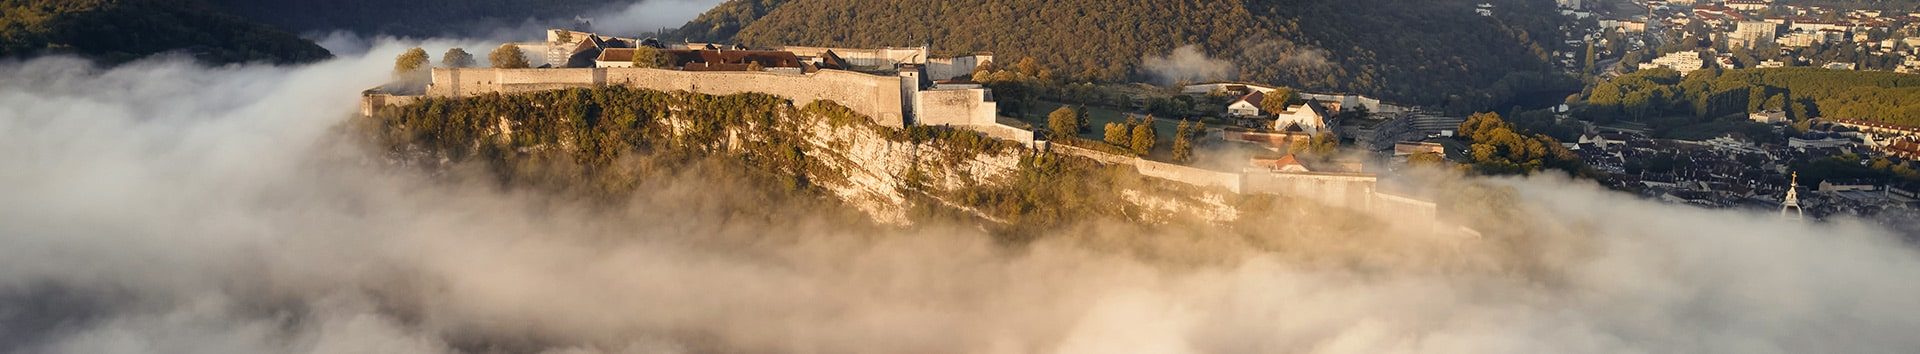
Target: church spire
[(1790, 208)]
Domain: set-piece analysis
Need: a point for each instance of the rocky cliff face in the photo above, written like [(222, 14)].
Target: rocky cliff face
[(886, 173)]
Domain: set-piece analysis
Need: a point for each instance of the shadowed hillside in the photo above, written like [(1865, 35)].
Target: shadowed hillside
[(1428, 52), (116, 31), (407, 18)]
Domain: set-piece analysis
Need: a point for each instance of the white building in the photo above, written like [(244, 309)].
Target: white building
[(1801, 39), (1306, 118), (1685, 62), (1749, 5), (1247, 106), (1768, 117), (1751, 33)]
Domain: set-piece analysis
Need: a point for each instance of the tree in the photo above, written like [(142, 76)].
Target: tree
[(1063, 122), (653, 58), (1587, 69), (1183, 141), (1278, 100), (1323, 144), (508, 56), (1081, 120), (1143, 137), (457, 58), (410, 62), (1499, 149), (1027, 66), (1117, 134)]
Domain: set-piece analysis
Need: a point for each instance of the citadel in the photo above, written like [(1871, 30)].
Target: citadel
[(900, 87)]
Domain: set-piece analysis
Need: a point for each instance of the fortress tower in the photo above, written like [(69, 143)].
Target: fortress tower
[(1790, 208)]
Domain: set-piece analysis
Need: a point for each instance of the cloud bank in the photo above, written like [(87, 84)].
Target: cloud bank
[(650, 15), (168, 207), (1187, 64)]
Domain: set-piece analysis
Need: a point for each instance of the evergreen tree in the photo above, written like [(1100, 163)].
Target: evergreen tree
[(1143, 137), (1081, 120), (1117, 134), (1182, 142)]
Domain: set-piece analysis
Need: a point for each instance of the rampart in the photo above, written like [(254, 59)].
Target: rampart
[(371, 102), (955, 107), (872, 95), (1351, 190), (1177, 173)]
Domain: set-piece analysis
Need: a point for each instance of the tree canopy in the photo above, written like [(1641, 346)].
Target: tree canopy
[(1500, 148), (411, 61), (508, 56), (1802, 92), (649, 57), (457, 58)]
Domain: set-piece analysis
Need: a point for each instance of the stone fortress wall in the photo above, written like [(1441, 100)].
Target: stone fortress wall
[(872, 95), (1356, 191), (891, 102)]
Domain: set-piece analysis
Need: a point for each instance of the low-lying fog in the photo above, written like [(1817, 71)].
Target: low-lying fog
[(169, 207)]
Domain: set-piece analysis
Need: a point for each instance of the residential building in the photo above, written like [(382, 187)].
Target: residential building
[(1752, 33), (1749, 5), (1248, 106), (1768, 117), (1685, 62)]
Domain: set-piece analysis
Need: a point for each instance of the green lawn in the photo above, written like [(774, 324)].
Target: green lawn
[(1100, 116)]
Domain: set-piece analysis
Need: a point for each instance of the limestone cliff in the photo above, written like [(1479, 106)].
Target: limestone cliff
[(601, 140)]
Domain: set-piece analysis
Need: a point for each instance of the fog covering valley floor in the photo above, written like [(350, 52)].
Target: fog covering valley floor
[(166, 206)]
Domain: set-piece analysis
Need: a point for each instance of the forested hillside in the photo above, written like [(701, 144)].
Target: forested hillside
[(407, 17), (115, 31), (1801, 92), (1428, 52)]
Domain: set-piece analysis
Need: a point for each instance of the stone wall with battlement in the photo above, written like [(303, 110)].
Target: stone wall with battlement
[(955, 107), (1350, 190), (371, 102), (1177, 173), (875, 96), (956, 67)]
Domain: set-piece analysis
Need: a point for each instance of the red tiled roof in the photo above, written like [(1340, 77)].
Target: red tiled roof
[(1254, 97), (711, 60)]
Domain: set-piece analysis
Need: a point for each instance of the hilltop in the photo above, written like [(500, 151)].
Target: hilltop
[(407, 18), (115, 31), (1426, 52)]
